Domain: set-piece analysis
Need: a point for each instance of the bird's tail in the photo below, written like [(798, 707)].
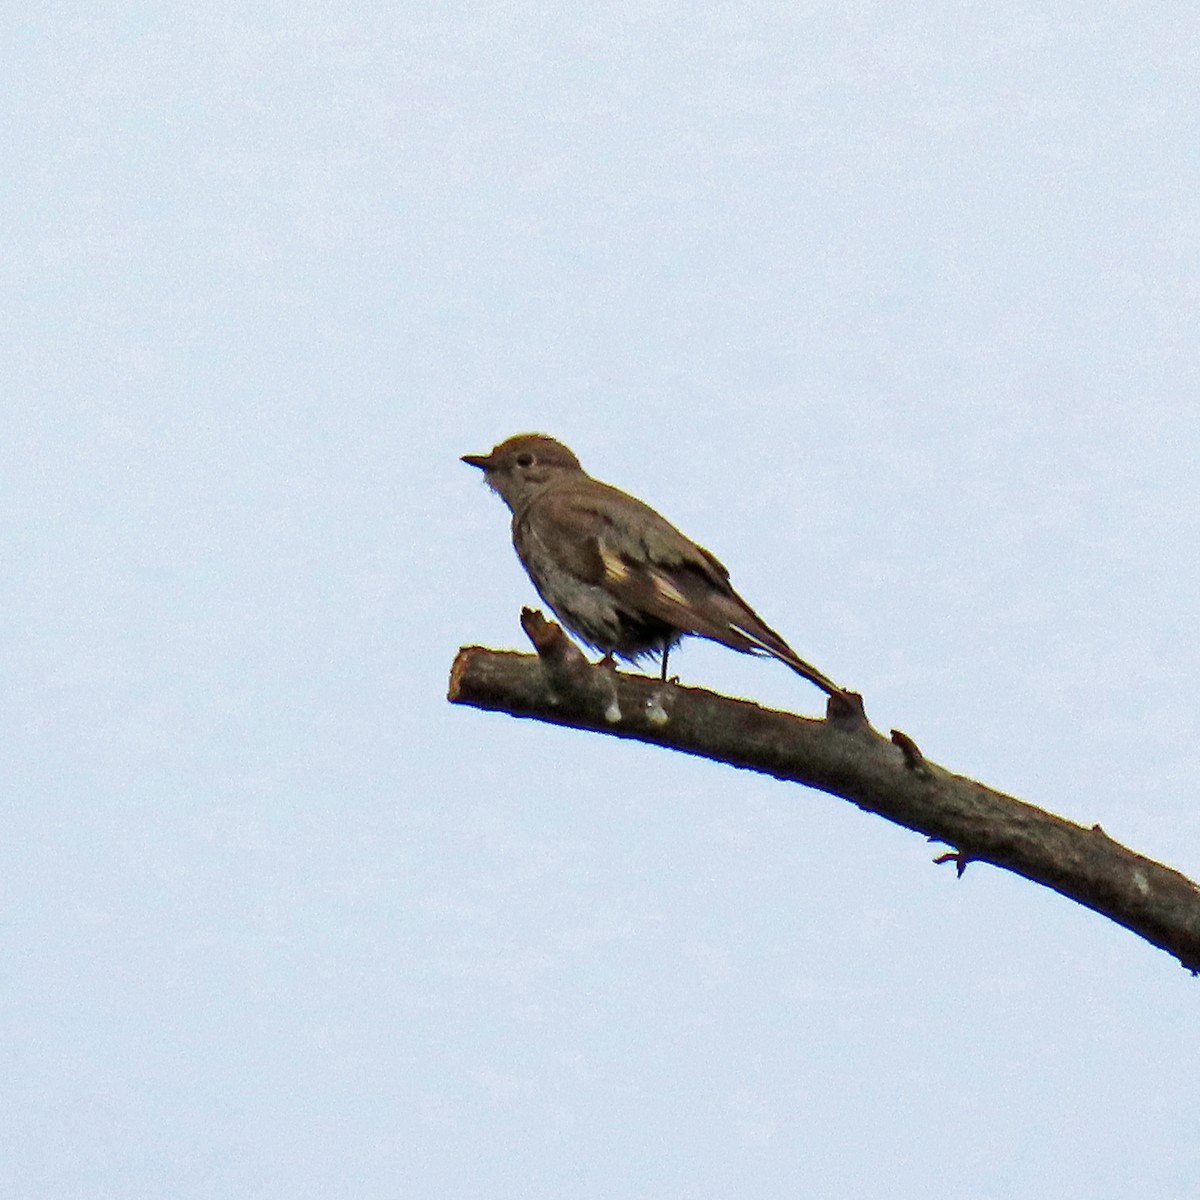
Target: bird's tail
[(810, 673), (763, 638), (705, 605)]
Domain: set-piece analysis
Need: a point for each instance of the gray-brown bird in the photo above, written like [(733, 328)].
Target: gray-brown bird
[(619, 576)]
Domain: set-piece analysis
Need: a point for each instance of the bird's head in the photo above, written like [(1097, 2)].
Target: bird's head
[(522, 465)]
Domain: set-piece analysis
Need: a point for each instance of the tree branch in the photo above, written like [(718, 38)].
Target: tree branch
[(842, 755)]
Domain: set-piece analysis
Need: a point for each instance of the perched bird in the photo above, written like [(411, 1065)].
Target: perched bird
[(619, 576)]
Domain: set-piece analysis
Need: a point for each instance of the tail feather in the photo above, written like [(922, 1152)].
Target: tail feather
[(766, 639), (692, 602)]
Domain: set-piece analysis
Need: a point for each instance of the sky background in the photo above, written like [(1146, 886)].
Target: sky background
[(893, 307)]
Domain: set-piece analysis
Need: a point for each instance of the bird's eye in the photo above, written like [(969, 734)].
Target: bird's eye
[(524, 460)]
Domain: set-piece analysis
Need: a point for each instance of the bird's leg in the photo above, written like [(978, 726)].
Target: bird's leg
[(666, 653)]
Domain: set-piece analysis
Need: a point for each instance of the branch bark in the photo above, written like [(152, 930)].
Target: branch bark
[(844, 756)]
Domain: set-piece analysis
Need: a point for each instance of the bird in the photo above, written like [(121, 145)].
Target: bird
[(618, 575)]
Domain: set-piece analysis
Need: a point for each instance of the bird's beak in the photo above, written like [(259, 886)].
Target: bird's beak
[(482, 461)]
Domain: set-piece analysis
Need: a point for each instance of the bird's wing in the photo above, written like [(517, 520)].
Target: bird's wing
[(607, 538), (649, 569)]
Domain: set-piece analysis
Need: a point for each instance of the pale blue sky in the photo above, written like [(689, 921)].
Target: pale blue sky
[(892, 307)]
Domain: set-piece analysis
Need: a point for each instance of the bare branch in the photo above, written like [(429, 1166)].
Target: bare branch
[(842, 755)]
